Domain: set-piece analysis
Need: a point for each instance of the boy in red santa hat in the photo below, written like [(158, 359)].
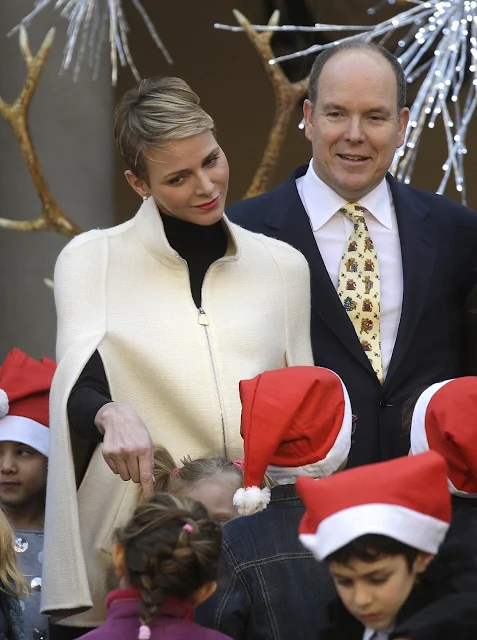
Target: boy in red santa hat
[(379, 528), (295, 422), (443, 420), (24, 447)]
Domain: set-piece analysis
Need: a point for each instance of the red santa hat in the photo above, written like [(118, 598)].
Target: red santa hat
[(443, 421), (24, 397), (295, 421), (405, 499)]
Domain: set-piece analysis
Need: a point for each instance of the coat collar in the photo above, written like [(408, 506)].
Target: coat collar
[(418, 236), (172, 607), (322, 203), (150, 230)]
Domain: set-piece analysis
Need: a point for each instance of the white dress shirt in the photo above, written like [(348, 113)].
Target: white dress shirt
[(332, 229), (371, 634)]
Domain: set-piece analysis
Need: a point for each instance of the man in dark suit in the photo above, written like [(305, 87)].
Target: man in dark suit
[(424, 246)]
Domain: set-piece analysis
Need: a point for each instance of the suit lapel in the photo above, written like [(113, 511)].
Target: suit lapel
[(292, 225), (419, 238)]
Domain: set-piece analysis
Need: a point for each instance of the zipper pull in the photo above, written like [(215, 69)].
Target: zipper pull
[(203, 319)]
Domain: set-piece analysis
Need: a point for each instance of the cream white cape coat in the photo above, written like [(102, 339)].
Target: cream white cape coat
[(125, 292)]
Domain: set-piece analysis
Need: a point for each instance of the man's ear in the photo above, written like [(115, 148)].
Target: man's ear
[(403, 122), (119, 559), (422, 561), (137, 184), (308, 118)]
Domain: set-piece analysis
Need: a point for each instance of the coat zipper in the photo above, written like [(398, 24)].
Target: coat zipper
[(204, 321)]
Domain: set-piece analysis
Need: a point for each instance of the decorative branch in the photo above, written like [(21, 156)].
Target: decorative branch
[(16, 114), (439, 45), (90, 24), (287, 95)]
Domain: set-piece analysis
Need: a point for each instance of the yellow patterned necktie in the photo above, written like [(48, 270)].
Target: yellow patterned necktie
[(359, 287)]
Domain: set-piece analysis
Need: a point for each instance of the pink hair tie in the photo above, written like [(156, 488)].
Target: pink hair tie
[(175, 471), (188, 527), (144, 632), (239, 463)]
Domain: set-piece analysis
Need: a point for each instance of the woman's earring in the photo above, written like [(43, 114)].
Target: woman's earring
[(145, 198)]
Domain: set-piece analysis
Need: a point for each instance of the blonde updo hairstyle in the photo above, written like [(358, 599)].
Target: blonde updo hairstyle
[(153, 113), (169, 478)]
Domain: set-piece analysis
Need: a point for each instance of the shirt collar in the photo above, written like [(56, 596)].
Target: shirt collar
[(371, 634), (322, 202), (150, 229)]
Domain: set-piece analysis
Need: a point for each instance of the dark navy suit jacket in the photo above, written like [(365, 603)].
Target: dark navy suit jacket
[(439, 259)]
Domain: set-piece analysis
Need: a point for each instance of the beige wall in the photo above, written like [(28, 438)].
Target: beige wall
[(70, 125)]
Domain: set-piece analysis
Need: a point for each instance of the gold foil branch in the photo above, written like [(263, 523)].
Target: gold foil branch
[(16, 114), (287, 95)]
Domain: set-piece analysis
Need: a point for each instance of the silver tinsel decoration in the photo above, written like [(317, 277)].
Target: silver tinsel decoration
[(438, 46), (90, 24)]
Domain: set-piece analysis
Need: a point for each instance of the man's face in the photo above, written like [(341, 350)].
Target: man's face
[(374, 592), (355, 127)]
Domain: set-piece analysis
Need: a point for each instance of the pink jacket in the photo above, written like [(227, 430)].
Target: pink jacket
[(173, 623)]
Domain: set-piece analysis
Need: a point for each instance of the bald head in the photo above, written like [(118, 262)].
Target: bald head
[(353, 47)]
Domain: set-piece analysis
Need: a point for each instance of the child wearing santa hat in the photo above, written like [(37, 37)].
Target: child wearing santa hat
[(379, 528), (295, 422), (24, 447), (443, 420)]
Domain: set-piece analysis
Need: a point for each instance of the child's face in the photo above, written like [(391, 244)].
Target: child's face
[(22, 474), (216, 498), (374, 592)]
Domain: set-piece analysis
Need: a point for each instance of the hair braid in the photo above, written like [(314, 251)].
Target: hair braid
[(172, 548)]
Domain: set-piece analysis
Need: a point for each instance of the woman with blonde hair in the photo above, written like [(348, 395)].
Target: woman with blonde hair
[(159, 319)]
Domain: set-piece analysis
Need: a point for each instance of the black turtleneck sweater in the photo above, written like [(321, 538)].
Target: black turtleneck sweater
[(199, 246)]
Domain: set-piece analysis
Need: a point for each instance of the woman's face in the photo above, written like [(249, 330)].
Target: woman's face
[(188, 179)]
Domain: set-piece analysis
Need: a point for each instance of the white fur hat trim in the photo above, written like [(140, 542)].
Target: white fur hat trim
[(4, 406), (251, 500)]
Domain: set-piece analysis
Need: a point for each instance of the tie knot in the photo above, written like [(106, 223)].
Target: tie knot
[(354, 212)]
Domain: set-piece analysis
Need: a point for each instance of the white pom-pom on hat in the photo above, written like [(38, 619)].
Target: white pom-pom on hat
[(251, 500), (4, 405)]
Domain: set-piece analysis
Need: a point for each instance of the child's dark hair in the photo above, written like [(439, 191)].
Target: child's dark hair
[(372, 547), (171, 548)]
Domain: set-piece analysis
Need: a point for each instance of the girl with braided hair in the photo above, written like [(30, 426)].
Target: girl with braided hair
[(167, 560)]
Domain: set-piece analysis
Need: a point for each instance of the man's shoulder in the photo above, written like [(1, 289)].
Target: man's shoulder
[(439, 204), (255, 202), (253, 210), (283, 253)]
